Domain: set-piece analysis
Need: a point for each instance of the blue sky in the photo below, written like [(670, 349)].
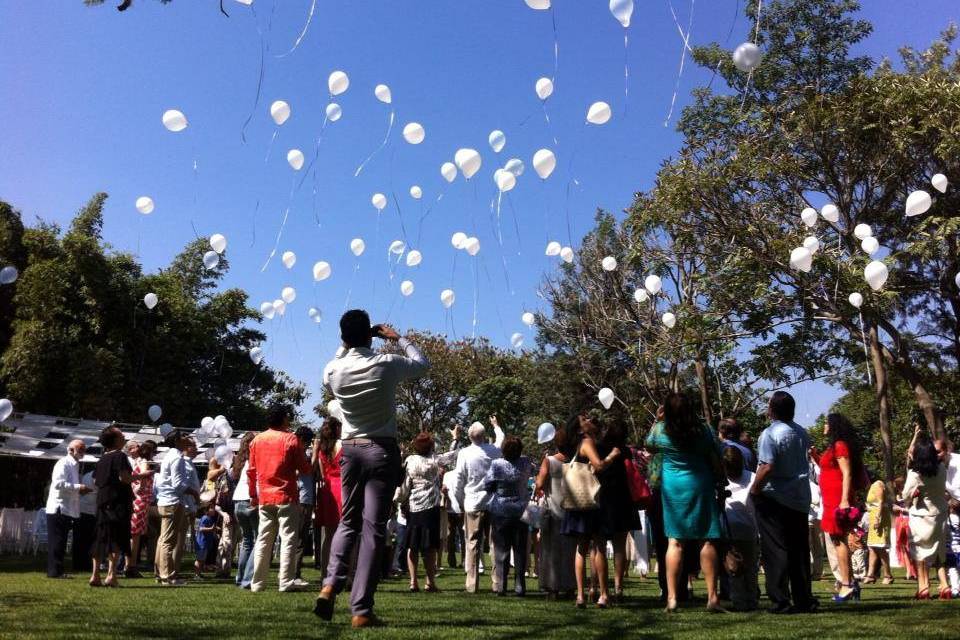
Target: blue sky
[(84, 90)]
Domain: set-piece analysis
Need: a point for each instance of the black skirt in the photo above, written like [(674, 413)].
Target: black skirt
[(423, 530)]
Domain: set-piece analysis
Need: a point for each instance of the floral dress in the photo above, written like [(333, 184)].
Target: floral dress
[(142, 498)]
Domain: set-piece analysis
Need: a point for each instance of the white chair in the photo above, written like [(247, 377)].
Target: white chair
[(38, 536)]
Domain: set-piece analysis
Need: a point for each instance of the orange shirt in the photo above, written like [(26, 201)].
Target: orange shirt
[(275, 459)]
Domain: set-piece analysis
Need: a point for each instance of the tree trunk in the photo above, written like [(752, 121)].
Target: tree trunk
[(904, 367), (883, 401), (701, 368)]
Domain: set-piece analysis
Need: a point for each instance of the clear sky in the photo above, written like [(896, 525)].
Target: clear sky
[(83, 91)]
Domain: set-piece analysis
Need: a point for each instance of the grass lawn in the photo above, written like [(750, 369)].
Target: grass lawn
[(33, 606)]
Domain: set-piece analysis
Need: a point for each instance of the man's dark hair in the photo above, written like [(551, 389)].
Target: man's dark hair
[(512, 448), (277, 413), (730, 429), (304, 434), (355, 328), (732, 462), (782, 406)]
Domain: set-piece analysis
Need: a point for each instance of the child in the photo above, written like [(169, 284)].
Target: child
[(206, 541), (741, 558), (879, 507), (904, 544), (953, 548), (857, 542)]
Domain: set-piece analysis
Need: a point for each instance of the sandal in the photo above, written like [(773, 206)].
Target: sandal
[(888, 580), (95, 583), (602, 602), (868, 580), (414, 589), (671, 606), (922, 594), (432, 588), (945, 593), (581, 604)]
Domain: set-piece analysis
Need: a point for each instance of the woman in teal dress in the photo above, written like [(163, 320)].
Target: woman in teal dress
[(689, 477)]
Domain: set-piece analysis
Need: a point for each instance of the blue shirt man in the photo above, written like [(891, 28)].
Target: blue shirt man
[(783, 446)]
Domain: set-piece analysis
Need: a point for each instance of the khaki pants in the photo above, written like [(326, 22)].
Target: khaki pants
[(477, 527), (173, 527), (228, 541), (274, 518)]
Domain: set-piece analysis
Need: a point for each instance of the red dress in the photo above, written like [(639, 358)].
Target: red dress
[(831, 486), (330, 497)]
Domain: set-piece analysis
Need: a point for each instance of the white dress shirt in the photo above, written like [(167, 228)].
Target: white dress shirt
[(740, 512), (365, 384), (171, 481), (65, 488), (450, 482), (472, 466)]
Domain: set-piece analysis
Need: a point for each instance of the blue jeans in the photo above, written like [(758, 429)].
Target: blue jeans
[(248, 519)]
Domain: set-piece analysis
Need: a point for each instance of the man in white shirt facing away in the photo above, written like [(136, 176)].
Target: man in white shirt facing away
[(365, 384), (472, 466), (63, 505)]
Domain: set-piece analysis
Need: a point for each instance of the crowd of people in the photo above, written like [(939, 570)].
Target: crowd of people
[(703, 500)]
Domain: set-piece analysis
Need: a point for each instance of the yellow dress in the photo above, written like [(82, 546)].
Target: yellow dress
[(878, 510)]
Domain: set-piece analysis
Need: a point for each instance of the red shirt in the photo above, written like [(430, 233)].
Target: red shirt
[(275, 459)]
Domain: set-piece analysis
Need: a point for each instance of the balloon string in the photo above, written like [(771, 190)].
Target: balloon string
[(626, 72), (866, 352), (556, 43), (353, 278), (256, 99), (316, 150), (296, 344), (283, 224), (453, 271), (313, 6), (571, 180), (496, 307), (380, 148), (476, 296), (253, 224), (546, 116), (499, 233), (403, 228), (270, 145), (756, 32), (426, 213), (683, 57)]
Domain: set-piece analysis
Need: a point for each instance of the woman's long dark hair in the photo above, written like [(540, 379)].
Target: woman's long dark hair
[(329, 434), (574, 436), (242, 455), (615, 436), (841, 429), (925, 460), (680, 420)]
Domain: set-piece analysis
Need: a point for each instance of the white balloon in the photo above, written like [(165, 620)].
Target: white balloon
[(315, 314), (609, 263), (472, 245), (497, 139), (956, 280), (811, 243), (174, 120), (289, 294), (939, 182), (279, 111), (669, 320), (334, 410), (406, 288), (295, 159), (267, 310), (449, 171), (544, 88), (414, 133), (641, 295), (870, 245), (447, 298), (653, 284), (207, 421), (357, 245), (876, 274), (211, 259), (553, 248), (855, 299), (544, 162), (223, 454), (6, 408), (528, 319), (414, 258), (516, 340), (599, 113), (546, 432), (514, 166), (397, 247), (218, 242), (144, 205), (862, 231), (917, 203), (606, 396), (289, 259), (416, 192), (256, 355), (9, 274), (150, 300), (334, 111), (566, 254), (622, 10), (280, 306), (154, 412), (379, 201), (830, 212), (539, 5), (809, 217), (338, 82), (504, 179), (468, 161), (747, 57), (383, 94), (458, 239), (801, 259)]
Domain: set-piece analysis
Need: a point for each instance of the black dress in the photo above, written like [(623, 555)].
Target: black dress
[(114, 505), (618, 513)]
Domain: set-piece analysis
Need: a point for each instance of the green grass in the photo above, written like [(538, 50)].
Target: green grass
[(31, 606)]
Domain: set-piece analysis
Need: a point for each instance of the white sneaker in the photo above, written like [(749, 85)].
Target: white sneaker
[(300, 582), (293, 588)]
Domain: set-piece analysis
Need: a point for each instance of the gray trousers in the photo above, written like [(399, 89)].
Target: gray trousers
[(369, 474)]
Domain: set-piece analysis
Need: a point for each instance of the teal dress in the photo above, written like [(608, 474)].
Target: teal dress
[(687, 487)]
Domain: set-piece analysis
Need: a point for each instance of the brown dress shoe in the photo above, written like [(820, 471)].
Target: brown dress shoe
[(323, 607), (362, 622)]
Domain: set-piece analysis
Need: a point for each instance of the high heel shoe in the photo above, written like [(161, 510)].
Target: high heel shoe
[(852, 594), (922, 594), (888, 580), (945, 593), (581, 604), (671, 606), (602, 602)]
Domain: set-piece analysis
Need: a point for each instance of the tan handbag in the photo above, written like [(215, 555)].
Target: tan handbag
[(580, 486)]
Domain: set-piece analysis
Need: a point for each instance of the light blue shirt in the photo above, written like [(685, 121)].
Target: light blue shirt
[(193, 481), (171, 481), (784, 447), (308, 487)]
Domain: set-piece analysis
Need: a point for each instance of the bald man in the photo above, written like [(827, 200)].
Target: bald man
[(63, 505)]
